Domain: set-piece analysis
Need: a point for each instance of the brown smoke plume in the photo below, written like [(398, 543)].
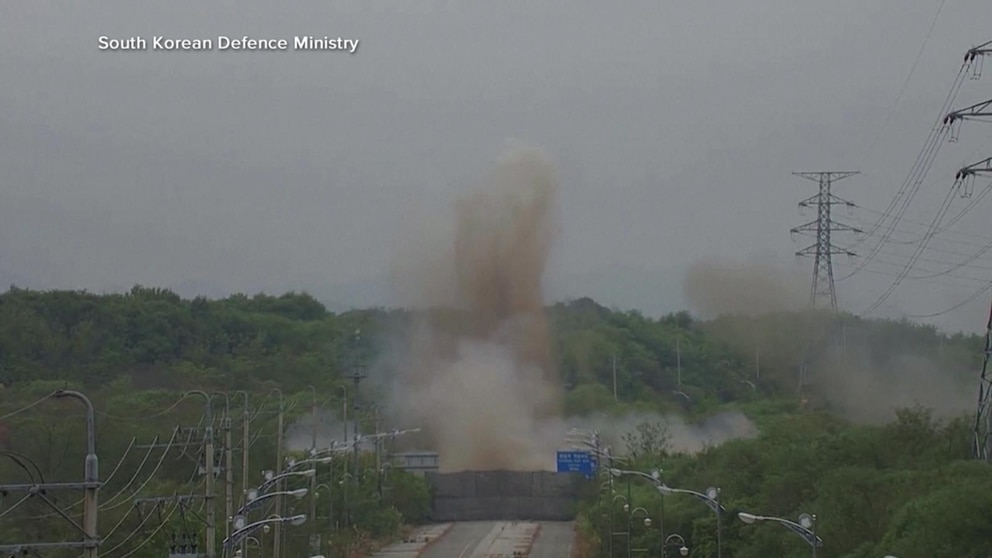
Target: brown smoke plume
[(476, 369)]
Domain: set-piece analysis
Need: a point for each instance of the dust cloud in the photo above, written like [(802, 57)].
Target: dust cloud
[(757, 309), (680, 436), (475, 369), (715, 288), (851, 385), (329, 430)]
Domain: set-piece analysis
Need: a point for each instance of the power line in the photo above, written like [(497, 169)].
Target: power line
[(823, 249), (28, 407), (924, 161), (905, 84), (963, 185), (935, 223), (970, 298)]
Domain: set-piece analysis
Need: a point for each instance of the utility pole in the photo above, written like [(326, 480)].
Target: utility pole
[(344, 462), (276, 528), (823, 226), (615, 377), (228, 472), (208, 468), (357, 378), (378, 457), (208, 458), (314, 540), (245, 420)]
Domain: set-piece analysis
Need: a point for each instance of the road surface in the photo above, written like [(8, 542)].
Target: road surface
[(503, 539), (413, 545), (554, 541)]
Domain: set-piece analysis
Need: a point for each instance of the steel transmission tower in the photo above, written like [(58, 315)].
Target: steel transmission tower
[(983, 419), (823, 249)]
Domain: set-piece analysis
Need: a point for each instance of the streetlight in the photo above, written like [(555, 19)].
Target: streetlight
[(806, 528), (626, 506), (675, 540), (92, 471), (655, 477), (254, 499), (243, 551), (630, 527), (330, 500), (313, 478), (712, 501), (647, 518), (271, 478), (243, 528), (315, 458)]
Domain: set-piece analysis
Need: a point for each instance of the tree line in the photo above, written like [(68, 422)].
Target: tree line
[(135, 353)]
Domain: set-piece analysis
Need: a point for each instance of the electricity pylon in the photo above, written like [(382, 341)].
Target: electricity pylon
[(823, 249), (983, 419)]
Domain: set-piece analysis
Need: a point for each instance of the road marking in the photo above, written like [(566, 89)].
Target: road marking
[(568, 553), (464, 550)]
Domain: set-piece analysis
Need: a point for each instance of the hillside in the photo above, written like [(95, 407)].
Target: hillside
[(157, 340), (133, 355)]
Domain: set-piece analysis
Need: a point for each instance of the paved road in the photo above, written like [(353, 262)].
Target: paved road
[(414, 545), (460, 540), (490, 539), (554, 541)]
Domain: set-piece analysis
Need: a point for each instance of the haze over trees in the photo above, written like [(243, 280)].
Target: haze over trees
[(883, 474)]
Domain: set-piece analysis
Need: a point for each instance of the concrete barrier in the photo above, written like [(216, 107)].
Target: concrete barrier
[(504, 495)]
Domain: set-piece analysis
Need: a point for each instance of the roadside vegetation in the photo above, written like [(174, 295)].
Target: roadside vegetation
[(880, 481)]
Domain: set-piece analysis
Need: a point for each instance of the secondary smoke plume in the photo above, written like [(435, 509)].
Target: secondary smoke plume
[(719, 287), (867, 392), (476, 370), (680, 436), (863, 377)]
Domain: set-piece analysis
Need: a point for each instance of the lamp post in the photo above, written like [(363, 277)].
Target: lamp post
[(292, 464), (677, 541), (616, 498), (255, 499), (245, 457), (806, 528), (330, 501), (91, 467), (243, 528), (655, 478), (271, 478), (712, 501), (313, 479), (630, 527), (277, 533), (243, 552)]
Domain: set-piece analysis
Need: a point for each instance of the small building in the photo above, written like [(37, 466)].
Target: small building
[(417, 462)]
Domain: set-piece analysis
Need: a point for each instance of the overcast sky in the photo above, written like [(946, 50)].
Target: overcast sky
[(675, 127)]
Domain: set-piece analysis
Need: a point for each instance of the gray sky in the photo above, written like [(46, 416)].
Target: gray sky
[(675, 127)]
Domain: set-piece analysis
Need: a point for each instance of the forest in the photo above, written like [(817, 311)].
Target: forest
[(865, 423)]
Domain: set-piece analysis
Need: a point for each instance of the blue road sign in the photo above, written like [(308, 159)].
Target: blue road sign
[(576, 462)]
